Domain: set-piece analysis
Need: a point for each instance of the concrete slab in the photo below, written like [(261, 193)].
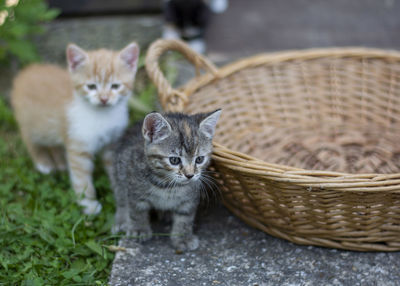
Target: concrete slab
[(232, 253)]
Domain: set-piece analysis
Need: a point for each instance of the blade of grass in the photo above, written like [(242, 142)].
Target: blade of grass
[(73, 230)]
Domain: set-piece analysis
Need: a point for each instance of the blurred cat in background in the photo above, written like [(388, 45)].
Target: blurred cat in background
[(65, 118), (188, 19)]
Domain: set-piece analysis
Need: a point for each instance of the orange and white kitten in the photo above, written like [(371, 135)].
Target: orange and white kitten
[(70, 116)]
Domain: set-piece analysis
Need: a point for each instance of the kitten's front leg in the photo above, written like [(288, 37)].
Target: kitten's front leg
[(182, 236), (140, 227), (122, 218), (80, 165)]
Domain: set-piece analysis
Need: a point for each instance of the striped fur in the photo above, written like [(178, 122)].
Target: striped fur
[(68, 117), (144, 177)]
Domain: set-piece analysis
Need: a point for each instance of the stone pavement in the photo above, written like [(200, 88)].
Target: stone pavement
[(232, 253)]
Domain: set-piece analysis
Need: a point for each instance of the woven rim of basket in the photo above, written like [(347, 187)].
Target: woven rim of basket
[(326, 179), (247, 164)]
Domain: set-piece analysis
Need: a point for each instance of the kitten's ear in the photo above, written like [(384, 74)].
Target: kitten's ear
[(75, 57), (155, 128), (130, 56), (208, 124)]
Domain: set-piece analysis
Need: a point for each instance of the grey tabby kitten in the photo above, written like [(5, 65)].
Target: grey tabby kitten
[(158, 165)]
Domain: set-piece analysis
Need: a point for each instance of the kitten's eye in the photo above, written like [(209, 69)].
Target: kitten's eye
[(115, 86), (174, 160), (199, 159), (91, 86)]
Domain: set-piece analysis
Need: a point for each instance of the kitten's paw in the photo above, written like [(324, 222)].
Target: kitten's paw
[(121, 221), (44, 169), (119, 227), (90, 207), (140, 235), (184, 243)]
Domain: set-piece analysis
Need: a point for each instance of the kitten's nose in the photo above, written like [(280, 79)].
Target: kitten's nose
[(103, 100), (189, 176)]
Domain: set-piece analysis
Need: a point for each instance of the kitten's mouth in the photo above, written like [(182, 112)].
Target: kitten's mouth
[(104, 104), (183, 182), (187, 181)]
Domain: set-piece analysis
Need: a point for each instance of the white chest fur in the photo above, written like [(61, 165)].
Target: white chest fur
[(169, 199), (96, 127)]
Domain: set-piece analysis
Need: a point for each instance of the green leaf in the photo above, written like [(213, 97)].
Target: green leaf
[(36, 281), (50, 14), (79, 265), (4, 262), (24, 50), (18, 30), (94, 246), (70, 273)]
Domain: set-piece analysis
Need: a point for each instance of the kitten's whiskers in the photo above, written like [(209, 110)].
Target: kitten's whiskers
[(214, 186)]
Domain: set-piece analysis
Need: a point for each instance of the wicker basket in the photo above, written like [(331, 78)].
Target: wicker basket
[(298, 95)]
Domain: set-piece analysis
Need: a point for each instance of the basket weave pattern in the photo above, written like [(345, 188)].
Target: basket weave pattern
[(306, 148)]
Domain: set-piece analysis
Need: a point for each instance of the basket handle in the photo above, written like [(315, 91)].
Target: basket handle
[(173, 98)]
